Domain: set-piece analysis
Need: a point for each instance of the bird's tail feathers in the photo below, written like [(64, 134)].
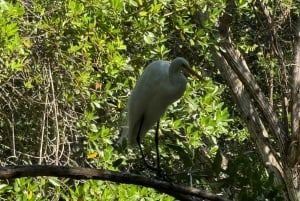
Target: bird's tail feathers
[(131, 141), (124, 136), (125, 139)]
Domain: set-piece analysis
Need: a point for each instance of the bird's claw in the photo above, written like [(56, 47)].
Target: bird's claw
[(160, 175), (163, 176)]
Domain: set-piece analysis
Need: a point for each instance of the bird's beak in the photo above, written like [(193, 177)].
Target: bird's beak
[(192, 72)]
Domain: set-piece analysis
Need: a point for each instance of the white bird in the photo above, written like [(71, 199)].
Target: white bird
[(160, 84)]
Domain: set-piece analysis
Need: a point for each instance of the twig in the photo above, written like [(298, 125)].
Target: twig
[(55, 107)]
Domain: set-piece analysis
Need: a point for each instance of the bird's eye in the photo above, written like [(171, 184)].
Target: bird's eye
[(182, 67)]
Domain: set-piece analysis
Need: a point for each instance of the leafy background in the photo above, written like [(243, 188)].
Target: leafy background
[(66, 71)]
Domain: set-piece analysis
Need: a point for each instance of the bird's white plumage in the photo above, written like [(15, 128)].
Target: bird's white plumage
[(160, 84)]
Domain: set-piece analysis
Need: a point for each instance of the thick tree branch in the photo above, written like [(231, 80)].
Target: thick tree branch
[(175, 190), (254, 124), (239, 66), (277, 51), (296, 86), (295, 99), (258, 113), (247, 95)]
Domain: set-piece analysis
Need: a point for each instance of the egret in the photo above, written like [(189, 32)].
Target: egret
[(160, 84)]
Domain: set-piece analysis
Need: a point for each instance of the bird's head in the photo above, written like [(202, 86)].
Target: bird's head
[(184, 67)]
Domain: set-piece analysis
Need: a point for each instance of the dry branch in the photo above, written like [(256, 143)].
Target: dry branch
[(175, 190)]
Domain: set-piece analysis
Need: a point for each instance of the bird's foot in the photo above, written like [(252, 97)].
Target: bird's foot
[(150, 167), (163, 176), (159, 173)]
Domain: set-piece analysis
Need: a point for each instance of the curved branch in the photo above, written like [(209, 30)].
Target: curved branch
[(175, 190)]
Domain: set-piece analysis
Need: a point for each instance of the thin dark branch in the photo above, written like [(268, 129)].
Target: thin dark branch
[(175, 190)]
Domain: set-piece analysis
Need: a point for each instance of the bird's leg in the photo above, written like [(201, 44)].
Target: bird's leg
[(138, 139), (159, 172), (157, 150)]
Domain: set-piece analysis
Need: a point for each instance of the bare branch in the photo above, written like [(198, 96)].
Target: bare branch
[(175, 190)]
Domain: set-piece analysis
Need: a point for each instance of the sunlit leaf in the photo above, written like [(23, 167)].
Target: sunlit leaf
[(54, 181), (143, 13), (30, 194), (92, 155), (119, 105)]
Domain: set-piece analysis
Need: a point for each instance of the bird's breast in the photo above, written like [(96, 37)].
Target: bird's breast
[(174, 91)]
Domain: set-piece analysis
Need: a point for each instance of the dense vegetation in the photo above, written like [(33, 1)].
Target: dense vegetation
[(66, 71)]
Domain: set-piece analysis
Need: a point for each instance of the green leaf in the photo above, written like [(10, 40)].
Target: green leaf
[(117, 4), (118, 162), (93, 128), (5, 188), (28, 84), (143, 13), (216, 166), (184, 156), (149, 38), (54, 181)]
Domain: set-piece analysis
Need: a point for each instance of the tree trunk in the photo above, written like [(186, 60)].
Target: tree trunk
[(255, 126), (294, 148), (279, 150)]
